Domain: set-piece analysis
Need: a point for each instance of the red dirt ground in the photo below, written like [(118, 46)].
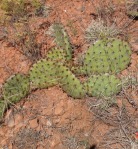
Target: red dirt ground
[(48, 118)]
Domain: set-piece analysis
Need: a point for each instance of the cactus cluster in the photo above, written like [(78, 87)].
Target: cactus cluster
[(102, 62)]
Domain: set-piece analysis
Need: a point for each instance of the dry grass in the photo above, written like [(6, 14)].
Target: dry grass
[(110, 21)]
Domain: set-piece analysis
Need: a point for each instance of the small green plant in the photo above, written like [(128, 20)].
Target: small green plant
[(72, 28), (28, 44), (18, 9), (98, 30), (23, 38)]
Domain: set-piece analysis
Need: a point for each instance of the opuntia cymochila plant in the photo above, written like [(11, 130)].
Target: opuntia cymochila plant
[(101, 63)]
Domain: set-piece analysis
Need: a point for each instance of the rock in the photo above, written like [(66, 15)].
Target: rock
[(59, 108), (18, 119), (33, 123)]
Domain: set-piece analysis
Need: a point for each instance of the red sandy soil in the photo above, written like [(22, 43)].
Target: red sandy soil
[(48, 118)]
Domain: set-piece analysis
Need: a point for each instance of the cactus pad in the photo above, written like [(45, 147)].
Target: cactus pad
[(56, 55), (16, 87), (110, 55), (43, 74), (103, 85), (62, 40), (69, 83)]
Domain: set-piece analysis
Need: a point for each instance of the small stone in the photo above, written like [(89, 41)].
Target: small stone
[(49, 123), (18, 119), (33, 123), (11, 123), (59, 108), (40, 147)]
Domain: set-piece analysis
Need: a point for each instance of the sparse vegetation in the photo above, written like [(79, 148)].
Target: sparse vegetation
[(20, 9), (132, 8), (105, 76), (99, 30), (107, 23)]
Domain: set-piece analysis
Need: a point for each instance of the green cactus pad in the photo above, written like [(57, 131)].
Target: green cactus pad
[(102, 85), (43, 74), (110, 55), (16, 87), (69, 83), (56, 55), (62, 40)]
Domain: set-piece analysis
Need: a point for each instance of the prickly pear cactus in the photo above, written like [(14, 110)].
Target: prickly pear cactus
[(69, 83), (57, 55), (16, 87), (110, 55), (102, 85), (43, 74), (62, 40)]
